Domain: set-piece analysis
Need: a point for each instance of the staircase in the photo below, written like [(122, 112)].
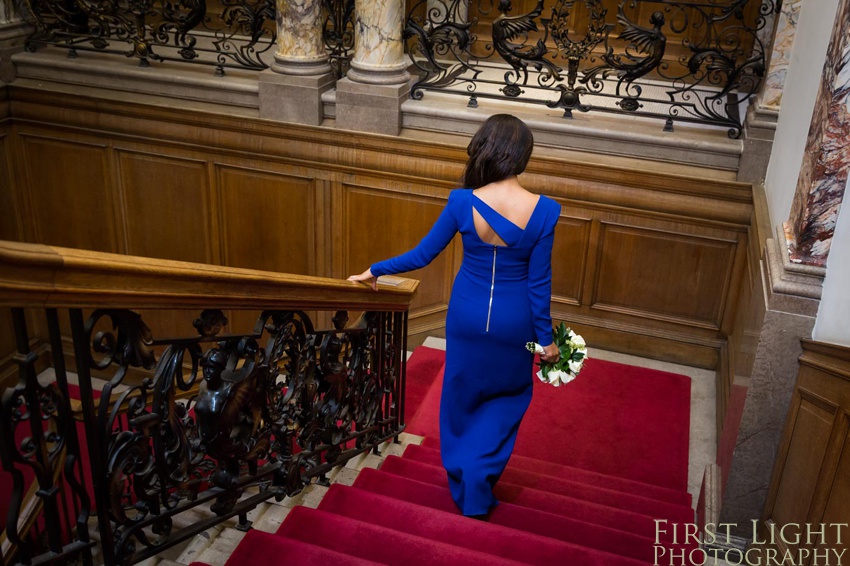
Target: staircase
[(398, 510)]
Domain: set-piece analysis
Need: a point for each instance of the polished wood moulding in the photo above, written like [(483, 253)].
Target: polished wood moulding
[(46, 276)]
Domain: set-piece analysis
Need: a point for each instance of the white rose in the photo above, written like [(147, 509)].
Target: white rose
[(566, 377), (575, 367), (572, 334), (556, 376), (540, 376), (578, 341)]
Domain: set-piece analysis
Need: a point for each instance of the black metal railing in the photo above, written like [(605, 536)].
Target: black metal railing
[(691, 61), (338, 34), (215, 419), (225, 34)]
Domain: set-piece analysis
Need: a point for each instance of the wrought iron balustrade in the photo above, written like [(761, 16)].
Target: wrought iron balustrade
[(692, 61), (225, 34), (214, 418)]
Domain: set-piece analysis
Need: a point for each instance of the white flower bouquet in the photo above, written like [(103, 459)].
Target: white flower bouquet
[(573, 354)]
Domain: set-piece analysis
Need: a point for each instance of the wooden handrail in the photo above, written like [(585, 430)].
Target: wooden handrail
[(48, 276)]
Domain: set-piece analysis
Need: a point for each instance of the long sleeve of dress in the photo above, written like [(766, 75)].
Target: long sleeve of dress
[(430, 247), (540, 281)]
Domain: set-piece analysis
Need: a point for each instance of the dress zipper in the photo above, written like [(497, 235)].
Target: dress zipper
[(492, 287)]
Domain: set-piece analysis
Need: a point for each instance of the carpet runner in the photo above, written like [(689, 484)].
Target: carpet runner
[(571, 494)]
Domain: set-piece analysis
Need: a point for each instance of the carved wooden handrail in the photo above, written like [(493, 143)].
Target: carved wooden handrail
[(314, 398), (49, 276)]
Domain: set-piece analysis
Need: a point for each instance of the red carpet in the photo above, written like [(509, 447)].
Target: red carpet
[(580, 490), (641, 417), (422, 366)]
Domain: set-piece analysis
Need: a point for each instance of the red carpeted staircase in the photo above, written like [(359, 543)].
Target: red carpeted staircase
[(550, 512)]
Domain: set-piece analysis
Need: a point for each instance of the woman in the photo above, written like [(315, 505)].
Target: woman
[(500, 300)]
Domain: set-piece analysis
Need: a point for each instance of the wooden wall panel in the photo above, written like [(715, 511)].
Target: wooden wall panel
[(662, 275), (267, 220), (572, 244), (166, 214), (813, 423), (380, 224), (9, 212), (68, 192), (811, 474), (165, 207), (838, 502)]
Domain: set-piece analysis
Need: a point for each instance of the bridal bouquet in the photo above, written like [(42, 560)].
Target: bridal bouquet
[(573, 353)]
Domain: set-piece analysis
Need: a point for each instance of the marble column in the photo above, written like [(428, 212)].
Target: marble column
[(763, 114), (826, 161), (369, 98), (13, 33), (291, 91), (770, 96)]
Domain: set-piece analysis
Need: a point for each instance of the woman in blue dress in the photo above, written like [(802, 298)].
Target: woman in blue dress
[(500, 300)]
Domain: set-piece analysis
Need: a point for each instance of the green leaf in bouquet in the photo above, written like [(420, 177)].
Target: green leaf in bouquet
[(563, 332)]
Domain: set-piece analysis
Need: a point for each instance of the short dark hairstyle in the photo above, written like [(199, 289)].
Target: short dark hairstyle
[(499, 149)]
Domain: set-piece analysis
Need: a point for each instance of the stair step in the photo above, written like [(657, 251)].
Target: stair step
[(627, 501), (430, 455), (264, 549), (558, 521), (379, 544), (465, 532), (585, 511)]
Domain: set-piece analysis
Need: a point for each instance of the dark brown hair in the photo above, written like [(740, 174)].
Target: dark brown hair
[(499, 149)]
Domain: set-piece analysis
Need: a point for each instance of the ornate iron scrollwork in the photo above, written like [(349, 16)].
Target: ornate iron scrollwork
[(338, 33), (717, 66), (221, 412), (158, 30)]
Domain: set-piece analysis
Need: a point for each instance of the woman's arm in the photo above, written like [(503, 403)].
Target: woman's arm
[(424, 253), (540, 281)]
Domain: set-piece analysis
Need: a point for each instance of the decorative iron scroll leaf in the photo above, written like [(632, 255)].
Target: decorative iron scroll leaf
[(158, 30), (224, 412), (39, 449), (696, 61), (338, 33)]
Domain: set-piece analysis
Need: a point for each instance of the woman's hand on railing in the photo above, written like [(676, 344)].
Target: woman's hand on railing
[(366, 277)]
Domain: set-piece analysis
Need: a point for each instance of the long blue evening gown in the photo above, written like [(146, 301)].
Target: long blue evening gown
[(500, 301)]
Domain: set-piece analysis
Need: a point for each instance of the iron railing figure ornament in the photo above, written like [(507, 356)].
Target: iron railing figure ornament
[(717, 65)]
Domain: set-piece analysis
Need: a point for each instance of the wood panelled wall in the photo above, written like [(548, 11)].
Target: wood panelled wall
[(811, 476), (645, 262)]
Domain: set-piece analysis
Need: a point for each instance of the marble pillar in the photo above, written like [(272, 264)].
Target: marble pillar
[(291, 91), (770, 96), (763, 114), (369, 98), (826, 161), (791, 295)]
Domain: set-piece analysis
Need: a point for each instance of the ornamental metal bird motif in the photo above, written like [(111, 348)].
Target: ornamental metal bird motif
[(519, 56), (649, 41)]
